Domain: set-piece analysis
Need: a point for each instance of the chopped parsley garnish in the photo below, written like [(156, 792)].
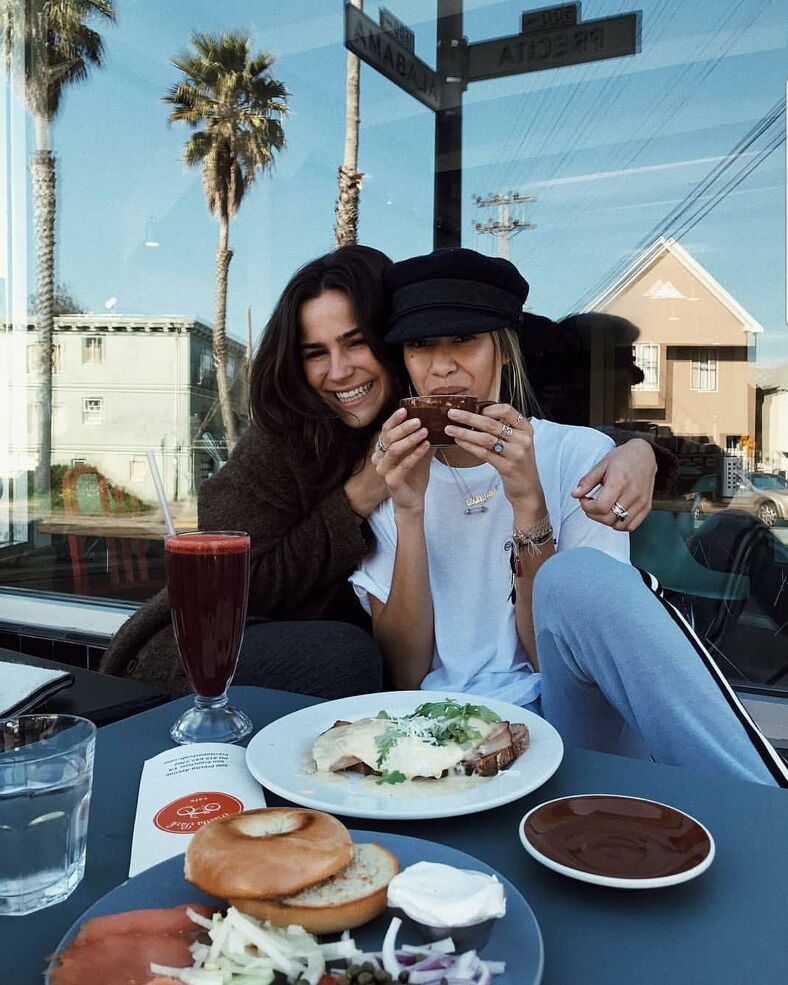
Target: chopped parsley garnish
[(392, 777), (437, 723)]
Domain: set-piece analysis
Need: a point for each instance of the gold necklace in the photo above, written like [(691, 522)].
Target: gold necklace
[(473, 503)]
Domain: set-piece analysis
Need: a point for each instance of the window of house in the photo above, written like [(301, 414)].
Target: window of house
[(138, 469), (92, 410), (646, 356), (206, 365), (93, 349), (704, 369)]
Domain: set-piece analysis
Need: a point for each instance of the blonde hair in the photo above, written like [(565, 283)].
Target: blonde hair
[(509, 364)]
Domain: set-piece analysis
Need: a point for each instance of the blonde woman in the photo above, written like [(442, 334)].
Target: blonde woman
[(528, 599)]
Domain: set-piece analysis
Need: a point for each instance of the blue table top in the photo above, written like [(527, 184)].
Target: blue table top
[(725, 928)]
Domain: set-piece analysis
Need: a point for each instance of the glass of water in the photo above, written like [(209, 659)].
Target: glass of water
[(46, 771)]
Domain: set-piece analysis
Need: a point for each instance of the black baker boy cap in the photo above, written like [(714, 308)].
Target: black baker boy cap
[(453, 292)]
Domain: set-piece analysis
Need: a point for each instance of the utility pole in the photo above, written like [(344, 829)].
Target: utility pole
[(509, 222)]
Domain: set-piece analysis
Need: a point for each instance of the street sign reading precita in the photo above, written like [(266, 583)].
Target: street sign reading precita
[(585, 41)]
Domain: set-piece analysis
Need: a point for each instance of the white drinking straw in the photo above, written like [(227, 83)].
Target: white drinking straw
[(154, 471)]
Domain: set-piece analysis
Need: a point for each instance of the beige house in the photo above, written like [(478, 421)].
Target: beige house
[(694, 344)]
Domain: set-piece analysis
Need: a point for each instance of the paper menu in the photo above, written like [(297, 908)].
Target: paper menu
[(184, 788)]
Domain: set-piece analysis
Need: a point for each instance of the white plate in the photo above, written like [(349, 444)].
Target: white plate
[(279, 757), (612, 833)]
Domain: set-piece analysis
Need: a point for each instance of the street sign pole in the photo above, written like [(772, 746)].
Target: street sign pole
[(447, 214)]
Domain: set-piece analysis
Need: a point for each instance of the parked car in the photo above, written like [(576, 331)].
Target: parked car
[(764, 494)]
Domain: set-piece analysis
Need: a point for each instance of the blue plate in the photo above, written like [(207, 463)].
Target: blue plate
[(515, 938)]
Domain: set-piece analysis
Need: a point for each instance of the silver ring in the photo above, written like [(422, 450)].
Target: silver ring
[(620, 512), (498, 447), (520, 417), (506, 432), (381, 447)]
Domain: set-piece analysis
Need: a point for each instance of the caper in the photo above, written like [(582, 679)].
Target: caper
[(403, 977), (382, 976), (368, 966), (366, 978), (354, 970)]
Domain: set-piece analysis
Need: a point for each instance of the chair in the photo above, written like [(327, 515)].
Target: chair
[(659, 546), (86, 492)]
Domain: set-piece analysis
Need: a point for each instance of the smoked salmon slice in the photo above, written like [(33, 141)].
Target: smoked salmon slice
[(119, 949)]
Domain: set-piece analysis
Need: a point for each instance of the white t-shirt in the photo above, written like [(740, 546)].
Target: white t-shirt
[(477, 648)]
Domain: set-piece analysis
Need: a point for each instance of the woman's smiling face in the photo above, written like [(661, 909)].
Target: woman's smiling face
[(338, 363), (454, 364)]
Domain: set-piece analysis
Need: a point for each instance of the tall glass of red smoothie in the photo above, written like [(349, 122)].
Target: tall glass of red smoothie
[(208, 587)]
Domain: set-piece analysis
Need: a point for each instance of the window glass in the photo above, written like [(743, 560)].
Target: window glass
[(642, 196), (704, 370), (646, 356), (93, 350), (92, 410)]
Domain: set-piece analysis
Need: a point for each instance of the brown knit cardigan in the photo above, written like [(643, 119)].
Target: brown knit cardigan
[(304, 547)]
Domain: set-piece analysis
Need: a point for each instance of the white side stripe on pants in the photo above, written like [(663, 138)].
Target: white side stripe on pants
[(771, 758)]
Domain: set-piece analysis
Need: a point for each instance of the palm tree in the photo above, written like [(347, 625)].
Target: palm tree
[(346, 223), (60, 48), (236, 109)]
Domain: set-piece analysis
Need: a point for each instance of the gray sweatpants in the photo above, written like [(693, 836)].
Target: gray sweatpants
[(622, 672)]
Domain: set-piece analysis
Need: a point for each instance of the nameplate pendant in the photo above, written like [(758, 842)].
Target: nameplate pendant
[(475, 504)]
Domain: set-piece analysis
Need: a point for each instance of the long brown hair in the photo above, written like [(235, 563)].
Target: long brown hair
[(280, 398)]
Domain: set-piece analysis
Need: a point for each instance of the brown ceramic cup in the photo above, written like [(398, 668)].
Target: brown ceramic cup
[(433, 412)]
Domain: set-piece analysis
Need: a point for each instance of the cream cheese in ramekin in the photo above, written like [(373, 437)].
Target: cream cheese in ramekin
[(443, 896)]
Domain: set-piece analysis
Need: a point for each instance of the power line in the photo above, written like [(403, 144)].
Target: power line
[(688, 213)]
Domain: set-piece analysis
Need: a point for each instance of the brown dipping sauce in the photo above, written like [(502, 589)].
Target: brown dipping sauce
[(619, 837), (433, 412)]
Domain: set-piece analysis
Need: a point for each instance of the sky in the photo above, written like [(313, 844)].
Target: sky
[(606, 149)]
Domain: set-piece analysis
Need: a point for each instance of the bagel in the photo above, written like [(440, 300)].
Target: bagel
[(353, 896), (267, 853)]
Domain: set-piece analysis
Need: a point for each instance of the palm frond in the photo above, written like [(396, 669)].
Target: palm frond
[(60, 47), (237, 105)]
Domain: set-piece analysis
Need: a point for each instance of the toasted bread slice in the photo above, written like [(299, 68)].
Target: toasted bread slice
[(346, 900), (495, 755)]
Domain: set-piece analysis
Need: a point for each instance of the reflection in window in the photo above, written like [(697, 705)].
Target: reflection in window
[(646, 356), (704, 369), (57, 359), (93, 349), (92, 410)]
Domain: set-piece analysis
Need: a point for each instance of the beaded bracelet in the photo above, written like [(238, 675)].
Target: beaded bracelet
[(533, 541)]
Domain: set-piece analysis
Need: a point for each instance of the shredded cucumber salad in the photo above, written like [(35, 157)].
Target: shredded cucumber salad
[(244, 951)]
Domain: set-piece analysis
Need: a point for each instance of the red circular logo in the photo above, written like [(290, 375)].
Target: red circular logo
[(186, 814)]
